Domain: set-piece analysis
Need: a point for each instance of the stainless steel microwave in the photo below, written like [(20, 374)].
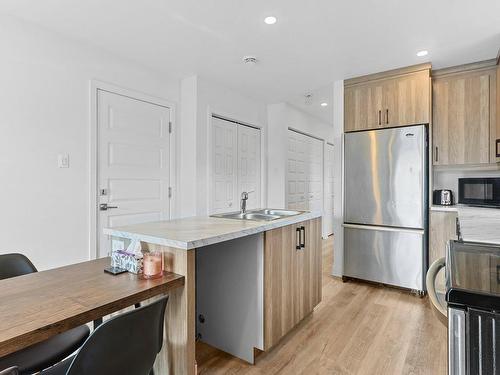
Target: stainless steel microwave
[(483, 192)]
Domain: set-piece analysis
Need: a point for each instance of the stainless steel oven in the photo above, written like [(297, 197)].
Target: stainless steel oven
[(483, 192)]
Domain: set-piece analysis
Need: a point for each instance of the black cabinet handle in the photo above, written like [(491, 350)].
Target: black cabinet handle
[(303, 242), (387, 116), (297, 238), (497, 147), (379, 117)]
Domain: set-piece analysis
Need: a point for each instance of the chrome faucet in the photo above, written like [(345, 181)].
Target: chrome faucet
[(243, 203)]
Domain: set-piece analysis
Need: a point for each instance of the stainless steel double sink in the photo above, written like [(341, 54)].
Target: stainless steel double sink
[(264, 214)]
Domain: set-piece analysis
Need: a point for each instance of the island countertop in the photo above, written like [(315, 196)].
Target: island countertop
[(193, 232)]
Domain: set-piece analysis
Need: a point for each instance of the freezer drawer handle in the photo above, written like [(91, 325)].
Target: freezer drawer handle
[(297, 238), (303, 242)]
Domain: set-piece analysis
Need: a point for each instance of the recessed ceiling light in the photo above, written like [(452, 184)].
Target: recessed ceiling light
[(271, 20), (324, 104), (422, 53)]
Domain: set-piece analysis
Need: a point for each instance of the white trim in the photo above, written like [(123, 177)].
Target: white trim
[(237, 120), (95, 86)]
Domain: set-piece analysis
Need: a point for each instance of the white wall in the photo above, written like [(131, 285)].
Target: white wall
[(209, 98), (338, 177), (45, 91)]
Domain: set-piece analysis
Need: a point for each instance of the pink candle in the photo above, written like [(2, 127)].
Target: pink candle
[(152, 264)]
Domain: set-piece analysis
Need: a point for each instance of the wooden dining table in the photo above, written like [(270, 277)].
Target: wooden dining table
[(39, 305)]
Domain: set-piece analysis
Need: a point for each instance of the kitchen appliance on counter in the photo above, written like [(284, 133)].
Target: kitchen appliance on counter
[(443, 197), (472, 306), (386, 200), (483, 192)]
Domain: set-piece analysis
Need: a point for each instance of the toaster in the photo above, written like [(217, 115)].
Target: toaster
[(442, 197)]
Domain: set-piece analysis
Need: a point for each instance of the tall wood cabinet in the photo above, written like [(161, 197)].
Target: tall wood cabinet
[(395, 98), (464, 115), (292, 277)]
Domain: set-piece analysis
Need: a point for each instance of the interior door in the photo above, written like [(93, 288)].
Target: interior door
[(328, 217), (249, 164), (133, 163), (224, 194)]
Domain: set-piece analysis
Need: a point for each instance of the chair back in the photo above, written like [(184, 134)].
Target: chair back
[(14, 264), (125, 344), (10, 371)]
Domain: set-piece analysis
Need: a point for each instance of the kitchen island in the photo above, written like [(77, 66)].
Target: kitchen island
[(247, 283)]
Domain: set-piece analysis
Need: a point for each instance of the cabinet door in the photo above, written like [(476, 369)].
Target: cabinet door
[(309, 267), (495, 138), (406, 100), (462, 108), (280, 283), (442, 229), (363, 106)]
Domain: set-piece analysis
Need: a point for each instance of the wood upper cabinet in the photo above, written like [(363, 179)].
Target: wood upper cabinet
[(292, 277), (464, 117), (495, 140), (395, 98)]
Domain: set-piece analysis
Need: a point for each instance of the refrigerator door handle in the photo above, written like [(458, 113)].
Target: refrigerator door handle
[(384, 229)]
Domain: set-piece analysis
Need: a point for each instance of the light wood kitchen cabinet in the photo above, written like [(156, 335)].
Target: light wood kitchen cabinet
[(495, 154), (464, 115), (442, 229), (292, 277), (396, 98)]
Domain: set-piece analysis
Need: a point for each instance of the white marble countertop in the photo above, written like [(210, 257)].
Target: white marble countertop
[(479, 224), (452, 208), (199, 231)]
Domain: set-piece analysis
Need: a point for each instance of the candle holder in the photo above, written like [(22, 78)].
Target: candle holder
[(152, 265)]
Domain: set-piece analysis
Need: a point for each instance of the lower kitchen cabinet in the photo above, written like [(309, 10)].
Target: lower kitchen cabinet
[(292, 277), (442, 230)]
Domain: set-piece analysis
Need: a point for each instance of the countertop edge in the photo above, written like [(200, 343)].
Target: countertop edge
[(188, 245)]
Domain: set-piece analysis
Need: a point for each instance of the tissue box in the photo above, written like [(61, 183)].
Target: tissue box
[(132, 262)]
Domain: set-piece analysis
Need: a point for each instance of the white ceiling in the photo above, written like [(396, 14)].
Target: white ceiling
[(313, 43)]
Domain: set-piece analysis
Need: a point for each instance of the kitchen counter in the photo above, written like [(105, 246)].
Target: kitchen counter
[(194, 232)]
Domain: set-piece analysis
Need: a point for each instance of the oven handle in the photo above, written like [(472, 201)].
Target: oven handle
[(430, 281)]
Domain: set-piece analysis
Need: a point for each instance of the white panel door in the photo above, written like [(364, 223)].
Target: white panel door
[(224, 162), (328, 218), (133, 163), (304, 172), (249, 164)]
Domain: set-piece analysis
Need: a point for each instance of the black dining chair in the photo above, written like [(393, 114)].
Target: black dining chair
[(126, 344), (47, 353)]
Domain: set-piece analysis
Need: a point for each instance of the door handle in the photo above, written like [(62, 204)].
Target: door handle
[(379, 117), (436, 154), (303, 232), (497, 147), (387, 116), (105, 207), (297, 238)]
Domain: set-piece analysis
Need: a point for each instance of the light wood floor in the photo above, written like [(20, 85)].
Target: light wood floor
[(358, 328)]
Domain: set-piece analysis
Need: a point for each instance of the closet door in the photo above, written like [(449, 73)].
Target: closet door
[(249, 164), (304, 172), (224, 162)]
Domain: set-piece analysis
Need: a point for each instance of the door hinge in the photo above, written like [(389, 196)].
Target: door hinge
[(170, 191), (170, 126)]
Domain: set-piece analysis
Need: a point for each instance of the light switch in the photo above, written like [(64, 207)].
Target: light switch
[(63, 160)]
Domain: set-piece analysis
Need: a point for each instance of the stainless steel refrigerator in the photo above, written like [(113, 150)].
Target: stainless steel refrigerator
[(385, 207)]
